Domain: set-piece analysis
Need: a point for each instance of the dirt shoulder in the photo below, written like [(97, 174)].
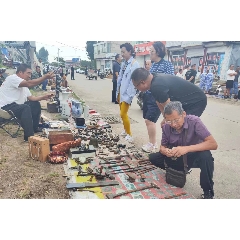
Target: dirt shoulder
[(23, 177)]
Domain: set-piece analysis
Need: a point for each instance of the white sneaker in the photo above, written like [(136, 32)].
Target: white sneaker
[(149, 148), (123, 134), (129, 138)]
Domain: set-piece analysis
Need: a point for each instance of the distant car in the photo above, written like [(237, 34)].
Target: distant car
[(77, 71), (81, 71)]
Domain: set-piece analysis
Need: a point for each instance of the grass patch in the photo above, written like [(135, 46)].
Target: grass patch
[(54, 174)]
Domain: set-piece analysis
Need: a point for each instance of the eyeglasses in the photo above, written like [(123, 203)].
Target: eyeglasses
[(173, 121), (138, 85)]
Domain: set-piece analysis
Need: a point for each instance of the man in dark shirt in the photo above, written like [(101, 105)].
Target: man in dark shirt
[(166, 88), (116, 70), (186, 135), (72, 73), (191, 74)]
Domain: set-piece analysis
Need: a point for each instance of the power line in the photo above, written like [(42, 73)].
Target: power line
[(65, 45)]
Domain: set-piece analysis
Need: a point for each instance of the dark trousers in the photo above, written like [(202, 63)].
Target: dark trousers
[(114, 91), (28, 115), (72, 75), (202, 160), (151, 111), (196, 109)]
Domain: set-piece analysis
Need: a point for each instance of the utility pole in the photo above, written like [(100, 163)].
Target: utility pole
[(58, 57)]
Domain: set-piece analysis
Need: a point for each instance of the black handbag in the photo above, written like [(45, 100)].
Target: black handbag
[(175, 177)]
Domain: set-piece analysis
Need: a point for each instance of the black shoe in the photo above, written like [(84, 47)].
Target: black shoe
[(116, 103), (207, 195)]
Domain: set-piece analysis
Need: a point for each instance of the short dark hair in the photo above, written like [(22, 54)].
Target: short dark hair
[(22, 68), (140, 74), (180, 70), (117, 56), (193, 65), (187, 66), (160, 49), (129, 48)]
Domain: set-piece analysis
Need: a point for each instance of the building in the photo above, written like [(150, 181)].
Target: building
[(215, 56), (20, 51), (105, 52), (142, 50)]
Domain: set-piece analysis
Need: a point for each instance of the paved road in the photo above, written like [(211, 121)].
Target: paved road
[(221, 117)]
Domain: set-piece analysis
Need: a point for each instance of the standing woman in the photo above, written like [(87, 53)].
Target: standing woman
[(125, 89), (151, 111)]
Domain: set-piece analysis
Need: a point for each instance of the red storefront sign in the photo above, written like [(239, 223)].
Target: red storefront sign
[(144, 48)]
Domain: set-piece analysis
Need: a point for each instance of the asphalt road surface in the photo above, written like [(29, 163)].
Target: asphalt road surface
[(221, 117)]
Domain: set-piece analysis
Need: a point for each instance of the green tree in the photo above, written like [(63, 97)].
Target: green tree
[(90, 49), (55, 64), (43, 54), (61, 60), (85, 63)]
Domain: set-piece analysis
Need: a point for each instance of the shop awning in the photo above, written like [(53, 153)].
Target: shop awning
[(217, 49), (195, 52)]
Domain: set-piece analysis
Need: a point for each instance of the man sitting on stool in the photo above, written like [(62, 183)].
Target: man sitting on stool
[(14, 94), (199, 142)]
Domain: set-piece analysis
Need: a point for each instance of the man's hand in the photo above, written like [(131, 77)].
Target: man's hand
[(167, 152), (48, 96), (179, 151), (49, 75)]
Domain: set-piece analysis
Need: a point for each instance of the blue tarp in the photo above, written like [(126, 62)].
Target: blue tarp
[(4, 51)]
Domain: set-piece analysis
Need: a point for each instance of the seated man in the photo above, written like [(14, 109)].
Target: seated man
[(197, 145), (14, 94)]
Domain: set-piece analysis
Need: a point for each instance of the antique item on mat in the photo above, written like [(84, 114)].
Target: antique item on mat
[(57, 157)]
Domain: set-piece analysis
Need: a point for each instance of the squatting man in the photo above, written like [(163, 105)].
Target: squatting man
[(196, 145), (15, 96)]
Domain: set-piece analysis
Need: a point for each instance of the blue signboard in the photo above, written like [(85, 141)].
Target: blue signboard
[(75, 60), (220, 63)]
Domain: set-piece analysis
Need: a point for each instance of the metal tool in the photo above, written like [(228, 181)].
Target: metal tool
[(75, 186), (152, 185)]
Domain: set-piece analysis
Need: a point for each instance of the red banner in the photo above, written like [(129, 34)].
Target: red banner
[(144, 48)]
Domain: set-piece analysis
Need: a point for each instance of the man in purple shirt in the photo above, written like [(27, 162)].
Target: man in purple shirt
[(196, 145)]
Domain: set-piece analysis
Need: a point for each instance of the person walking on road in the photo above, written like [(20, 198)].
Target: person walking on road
[(148, 64), (234, 90), (166, 88), (186, 68), (125, 89), (60, 70), (230, 78), (206, 81), (116, 70), (180, 74), (151, 111), (191, 74), (72, 73)]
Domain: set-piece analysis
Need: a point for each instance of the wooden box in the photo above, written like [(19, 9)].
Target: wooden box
[(60, 136), (38, 148)]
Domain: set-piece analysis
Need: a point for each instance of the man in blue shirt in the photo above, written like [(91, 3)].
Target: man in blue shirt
[(116, 70), (151, 111)]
